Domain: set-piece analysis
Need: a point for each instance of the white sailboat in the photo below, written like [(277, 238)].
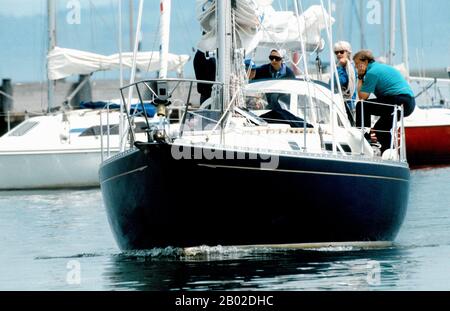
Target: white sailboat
[(65, 148)]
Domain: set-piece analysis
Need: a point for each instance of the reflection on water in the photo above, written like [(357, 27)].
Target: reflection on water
[(262, 270)]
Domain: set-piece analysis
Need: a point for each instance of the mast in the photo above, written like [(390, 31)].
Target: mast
[(405, 53), (135, 50), (223, 21), (51, 13), (121, 115), (382, 33), (164, 30), (120, 42), (391, 53), (131, 10), (332, 74), (133, 71)]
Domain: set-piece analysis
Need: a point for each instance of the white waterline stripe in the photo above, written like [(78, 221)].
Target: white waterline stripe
[(302, 172), (126, 173)]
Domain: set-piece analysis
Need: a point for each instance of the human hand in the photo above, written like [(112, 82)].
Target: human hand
[(361, 68), (343, 61)]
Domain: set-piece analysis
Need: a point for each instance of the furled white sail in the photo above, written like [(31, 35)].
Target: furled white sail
[(283, 28), (259, 24), (66, 62), (246, 18)]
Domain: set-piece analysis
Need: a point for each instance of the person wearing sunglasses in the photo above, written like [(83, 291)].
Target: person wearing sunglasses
[(389, 87), (276, 69), (347, 76), (346, 71)]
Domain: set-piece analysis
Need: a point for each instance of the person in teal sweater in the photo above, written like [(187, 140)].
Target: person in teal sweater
[(389, 87)]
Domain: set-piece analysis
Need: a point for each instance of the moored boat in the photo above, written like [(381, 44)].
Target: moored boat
[(60, 150), (428, 127), (428, 137)]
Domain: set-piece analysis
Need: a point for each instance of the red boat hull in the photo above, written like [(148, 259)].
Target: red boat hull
[(428, 145)]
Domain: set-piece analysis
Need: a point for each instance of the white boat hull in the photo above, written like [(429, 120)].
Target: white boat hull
[(38, 170), (63, 150)]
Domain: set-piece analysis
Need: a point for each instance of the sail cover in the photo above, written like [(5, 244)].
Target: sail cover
[(259, 24), (63, 63)]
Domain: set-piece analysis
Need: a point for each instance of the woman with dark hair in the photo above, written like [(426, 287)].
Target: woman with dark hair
[(389, 87)]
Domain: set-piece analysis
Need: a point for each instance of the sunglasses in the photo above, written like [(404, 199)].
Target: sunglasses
[(339, 52), (277, 58)]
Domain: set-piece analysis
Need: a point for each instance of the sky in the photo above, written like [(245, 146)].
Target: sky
[(20, 8), (23, 31)]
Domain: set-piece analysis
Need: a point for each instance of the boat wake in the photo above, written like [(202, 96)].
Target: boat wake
[(154, 253), (219, 252)]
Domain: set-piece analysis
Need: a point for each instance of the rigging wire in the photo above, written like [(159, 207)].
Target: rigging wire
[(43, 58)]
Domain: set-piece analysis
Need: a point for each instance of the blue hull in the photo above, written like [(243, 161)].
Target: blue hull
[(153, 200)]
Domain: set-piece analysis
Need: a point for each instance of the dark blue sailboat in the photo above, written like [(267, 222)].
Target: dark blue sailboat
[(228, 175)]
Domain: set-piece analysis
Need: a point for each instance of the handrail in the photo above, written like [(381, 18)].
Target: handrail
[(395, 131), (148, 85), (170, 80), (434, 91), (214, 118)]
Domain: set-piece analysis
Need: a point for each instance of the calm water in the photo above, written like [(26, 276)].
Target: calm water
[(60, 240)]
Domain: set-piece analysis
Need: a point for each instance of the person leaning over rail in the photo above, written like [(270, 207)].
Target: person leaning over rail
[(389, 87), (347, 75), (276, 69)]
